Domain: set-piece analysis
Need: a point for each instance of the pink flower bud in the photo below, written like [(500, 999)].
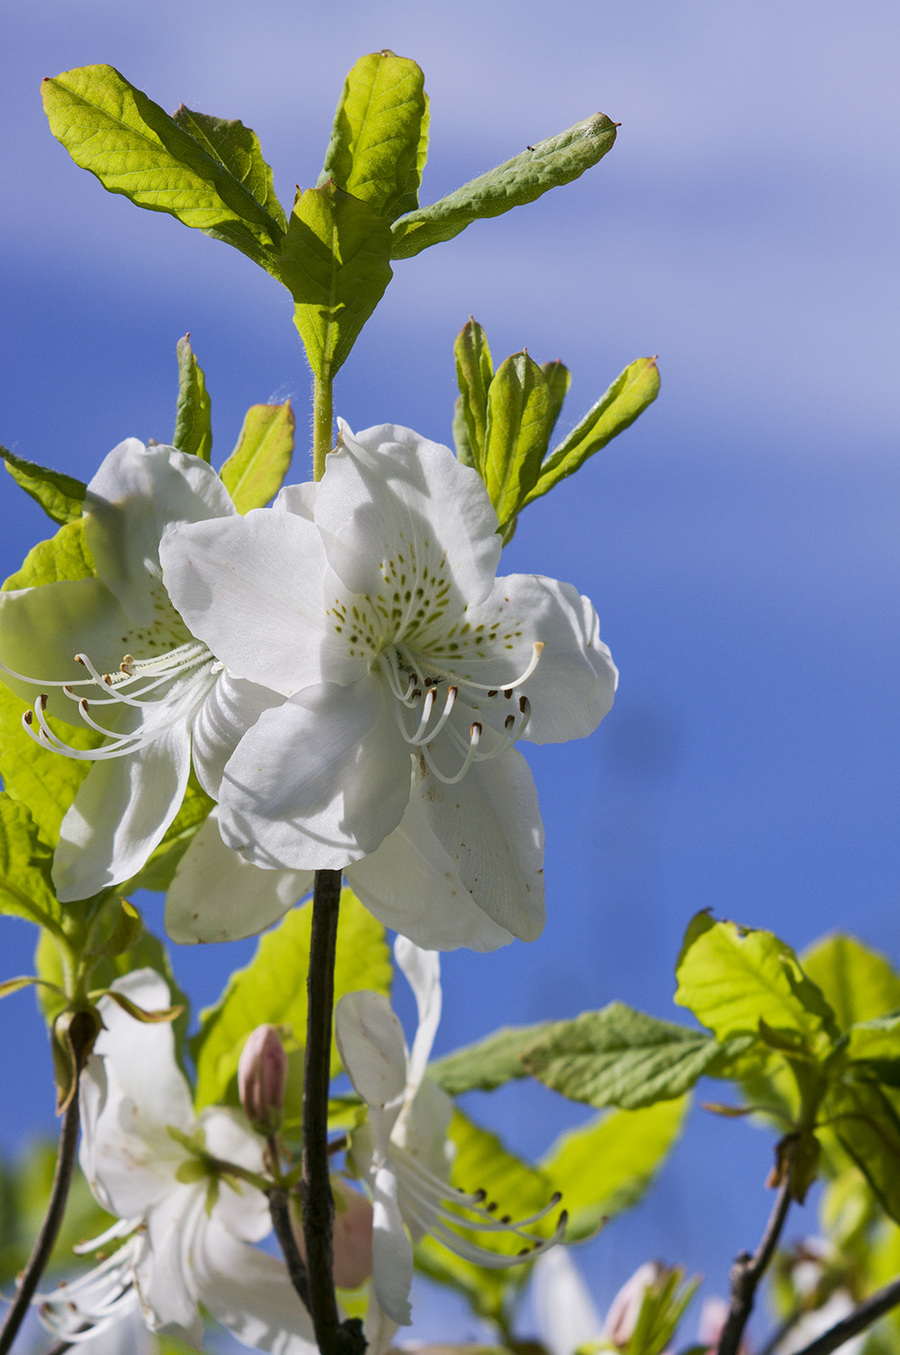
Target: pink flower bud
[(619, 1326), (262, 1072), (352, 1236)]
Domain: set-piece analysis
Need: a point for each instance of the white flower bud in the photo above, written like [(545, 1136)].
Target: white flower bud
[(262, 1073)]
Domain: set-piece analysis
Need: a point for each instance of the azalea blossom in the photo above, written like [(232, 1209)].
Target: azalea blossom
[(409, 883), (402, 1152), (370, 602), (112, 651), (186, 1221)]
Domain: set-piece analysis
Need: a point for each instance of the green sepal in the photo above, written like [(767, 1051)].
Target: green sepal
[(628, 396), (547, 164), (72, 1037), (193, 419), (255, 471), (133, 147), (334, 261), (127, 928), (26, 889), (605, 1167), (489, 1063), (520, 416), (379, 140), (474, 374), (272, 989), (619, 1056), (61, 496)]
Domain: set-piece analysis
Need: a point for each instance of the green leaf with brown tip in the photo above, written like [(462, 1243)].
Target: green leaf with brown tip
[(380, 136), (254, 472), (628, 396), (547, 164), (334, 262)]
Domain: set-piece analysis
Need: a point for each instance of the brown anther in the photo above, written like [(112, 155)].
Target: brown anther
[(525, 1251), (475, 731), (507, 1218), (523, 704), (491, 1207), (556, 1197), (508, 693), (509, 722), (492, 692), (28, 717), (79, 658), (479, 1195), (42, 701), (416, 694), (107, 679), (83, 705)]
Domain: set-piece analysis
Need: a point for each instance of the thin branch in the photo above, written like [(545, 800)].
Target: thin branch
[(333, 1337), (281, 1222), (748, 1270), (59, 1348), (81, 1035), (863, 1316)]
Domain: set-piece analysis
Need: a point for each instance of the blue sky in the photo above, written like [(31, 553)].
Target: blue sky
[(740, 542)]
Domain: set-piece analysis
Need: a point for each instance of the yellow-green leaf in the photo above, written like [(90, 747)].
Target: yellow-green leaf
[(254, 472), (61, 496), (859, 983), (193, 418), (520, 415), (380, 136), (334, 260)]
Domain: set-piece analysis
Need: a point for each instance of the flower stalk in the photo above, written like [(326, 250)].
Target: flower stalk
[(82, 1032)]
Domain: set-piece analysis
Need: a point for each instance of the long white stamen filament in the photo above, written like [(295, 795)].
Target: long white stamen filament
[(164, 689), (432, 1190)]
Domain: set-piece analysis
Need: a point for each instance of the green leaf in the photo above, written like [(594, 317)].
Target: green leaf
[(193, 424), (474, 374), (520, 415), (868, 1128), (461, 434), (26, 889), (877, 1045), (128, 927), (272, 988), (46, 781), (483, 1163), (335, 263), (65, 556), (236, 149), (604, 1167), (558, 378), (61, 496), (732, 978), (135, 148), (254, 472), (159, 868), (619, 1056), (558, 160), (489, 1063), (628, 396), (859, 983), (380, 136)]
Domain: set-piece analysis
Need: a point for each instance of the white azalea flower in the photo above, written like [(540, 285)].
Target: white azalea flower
[(115, 646), (402, 1152), (369, 602), (409, 883), (187, 1222)]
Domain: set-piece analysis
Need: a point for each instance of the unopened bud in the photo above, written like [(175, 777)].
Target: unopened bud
[(353, 1263), (262, 1073), (622, 1316)]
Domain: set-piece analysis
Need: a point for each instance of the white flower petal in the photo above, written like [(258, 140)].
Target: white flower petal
[(410, 884), (370, 1041), (563, 1309), (165, 1273), (317, 782), (239, 1207), (131, 1091), (137, 492), (490, 826), (120, 814), (422, 969), (229, 710), (376, 504), (391, 1249), (218, 896), (250, 1294), (252, 589)]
